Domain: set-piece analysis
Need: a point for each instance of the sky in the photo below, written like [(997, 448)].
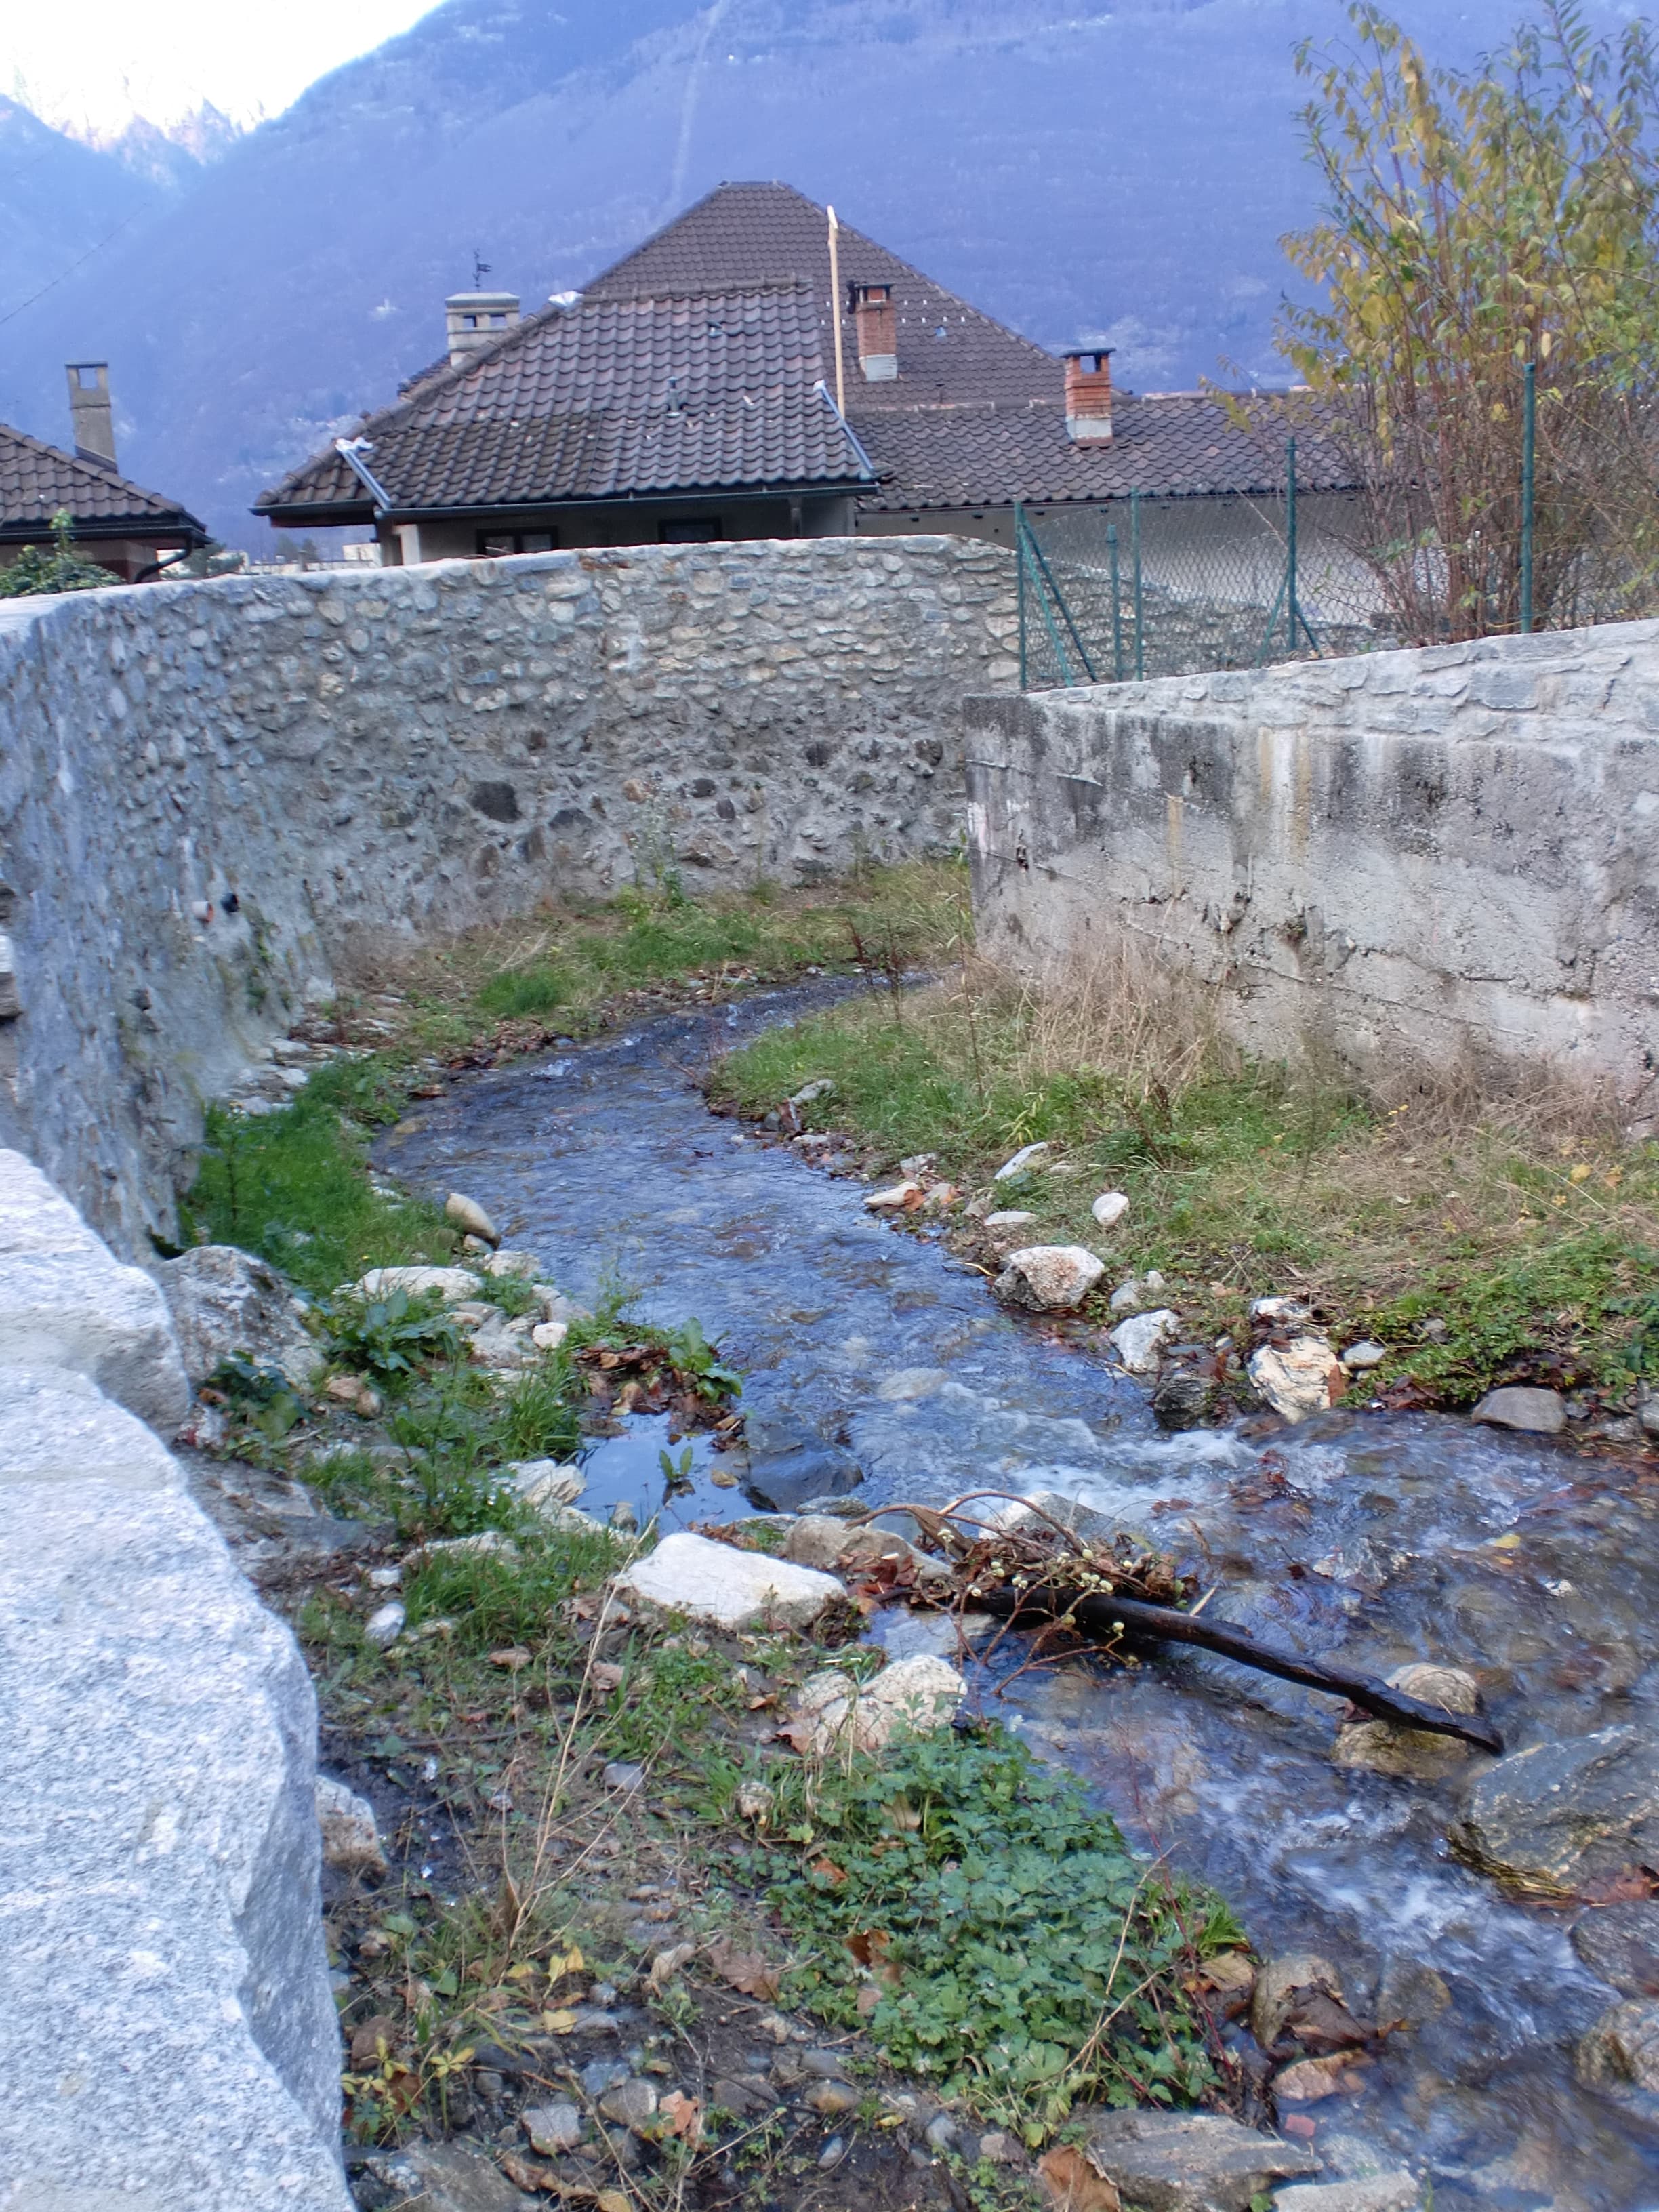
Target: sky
[(90, 68)]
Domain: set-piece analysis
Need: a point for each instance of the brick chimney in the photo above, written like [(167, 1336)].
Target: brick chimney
[(476, 320), (91, 414), (874, 320), (1088, 398)]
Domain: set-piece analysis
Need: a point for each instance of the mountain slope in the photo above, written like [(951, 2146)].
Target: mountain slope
[(1081, 173)]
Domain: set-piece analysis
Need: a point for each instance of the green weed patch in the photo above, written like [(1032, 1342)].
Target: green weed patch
[(1019, 1954)]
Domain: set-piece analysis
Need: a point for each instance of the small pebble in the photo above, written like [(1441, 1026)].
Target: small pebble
[(941, 2131), (603, 2073), (623, 1515), (385, 1624), (623, 1774), (832, 2154), (384, 1578)]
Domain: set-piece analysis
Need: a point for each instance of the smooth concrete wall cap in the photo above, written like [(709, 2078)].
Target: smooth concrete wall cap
[(66, 1301)]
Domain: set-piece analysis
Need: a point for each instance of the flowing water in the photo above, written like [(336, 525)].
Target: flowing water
[(1378, 1538)]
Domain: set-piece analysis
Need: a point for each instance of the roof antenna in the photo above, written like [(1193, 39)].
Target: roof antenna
[(481, 268), (834, 310)]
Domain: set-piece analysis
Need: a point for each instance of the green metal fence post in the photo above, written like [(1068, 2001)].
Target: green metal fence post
[(1135, 557), (1019, 576), (1117, 606), (1290, 539), (1529, 463)]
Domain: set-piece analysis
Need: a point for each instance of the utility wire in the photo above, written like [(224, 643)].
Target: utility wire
[(64, 274)]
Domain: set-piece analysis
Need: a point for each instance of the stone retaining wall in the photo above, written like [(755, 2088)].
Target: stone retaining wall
[(210, 794), (1432, 857), (168, 2038)]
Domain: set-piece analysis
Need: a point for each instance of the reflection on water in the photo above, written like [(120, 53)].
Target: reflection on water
[(1375, 1537)]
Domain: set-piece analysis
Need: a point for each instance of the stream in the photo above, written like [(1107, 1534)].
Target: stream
[(1379, 1537)]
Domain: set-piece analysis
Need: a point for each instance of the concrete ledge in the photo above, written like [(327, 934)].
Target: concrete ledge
[(1440, 857), (167, 2037)]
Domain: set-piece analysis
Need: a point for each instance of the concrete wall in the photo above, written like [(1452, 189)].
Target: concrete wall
[(211, 792), (1409, 855), (169, 2039)]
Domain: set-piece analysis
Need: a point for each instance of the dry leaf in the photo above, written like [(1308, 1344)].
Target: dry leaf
[(749, 1972), (667, 1963), (559, 2022), (868, 1998), (572, 1963), (1310, 2079), (612, 2200), (680, 2115), (512, 1656), (827, 1870), (1072, 2183), (605, 1676)]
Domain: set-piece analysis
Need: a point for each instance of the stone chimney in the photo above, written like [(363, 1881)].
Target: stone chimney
[(90, 413), (874, 320), (1088, 398), (476, 320)]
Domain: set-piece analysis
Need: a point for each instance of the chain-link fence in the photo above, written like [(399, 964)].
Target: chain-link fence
[(1175, 586)]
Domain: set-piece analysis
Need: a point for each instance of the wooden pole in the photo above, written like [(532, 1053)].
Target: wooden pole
[(835, 313)]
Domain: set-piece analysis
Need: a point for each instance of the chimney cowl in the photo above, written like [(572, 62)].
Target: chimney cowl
[(1089, 396), (473, 321), (875, 320), (92, 415)]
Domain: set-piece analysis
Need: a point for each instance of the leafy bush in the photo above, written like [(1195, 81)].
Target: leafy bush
[(1020, 1952), (390, 1338), (61, 568)]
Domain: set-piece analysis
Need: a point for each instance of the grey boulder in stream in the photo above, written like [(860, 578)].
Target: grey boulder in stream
[(1551, 1817), (1191, 2161)]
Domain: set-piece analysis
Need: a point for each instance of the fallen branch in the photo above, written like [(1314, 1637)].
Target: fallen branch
[(1042, 1572), (1107, 1617)]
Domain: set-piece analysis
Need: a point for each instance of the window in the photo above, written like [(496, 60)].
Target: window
[(496, 544), (691, 530)]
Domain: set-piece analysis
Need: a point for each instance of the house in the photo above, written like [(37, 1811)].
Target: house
[(726, 380), (117, 523)]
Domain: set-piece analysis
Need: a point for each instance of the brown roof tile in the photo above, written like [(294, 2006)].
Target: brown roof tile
[(609, 396), (749, 233), (1176, 445), (36, 480)]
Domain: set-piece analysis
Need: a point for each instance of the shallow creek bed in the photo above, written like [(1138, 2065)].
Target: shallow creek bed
[(1484, 1917)]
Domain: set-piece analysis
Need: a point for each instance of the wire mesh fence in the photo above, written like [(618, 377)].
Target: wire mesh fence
[(1148, 587), (1178, 586)]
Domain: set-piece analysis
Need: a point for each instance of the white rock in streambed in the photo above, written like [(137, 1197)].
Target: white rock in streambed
[(452, 1285), (1022, 1161), (1385, 1747), (912, 1697), (1047, 1278), (708, 1581), (467, 1214), (1300, 1379), (543, 1483), (1139, 1340)]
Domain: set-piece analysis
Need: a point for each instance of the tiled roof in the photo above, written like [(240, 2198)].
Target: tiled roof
[(732, 300), (700, 390), (1176, 445), (948, 350), (36, 480)]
